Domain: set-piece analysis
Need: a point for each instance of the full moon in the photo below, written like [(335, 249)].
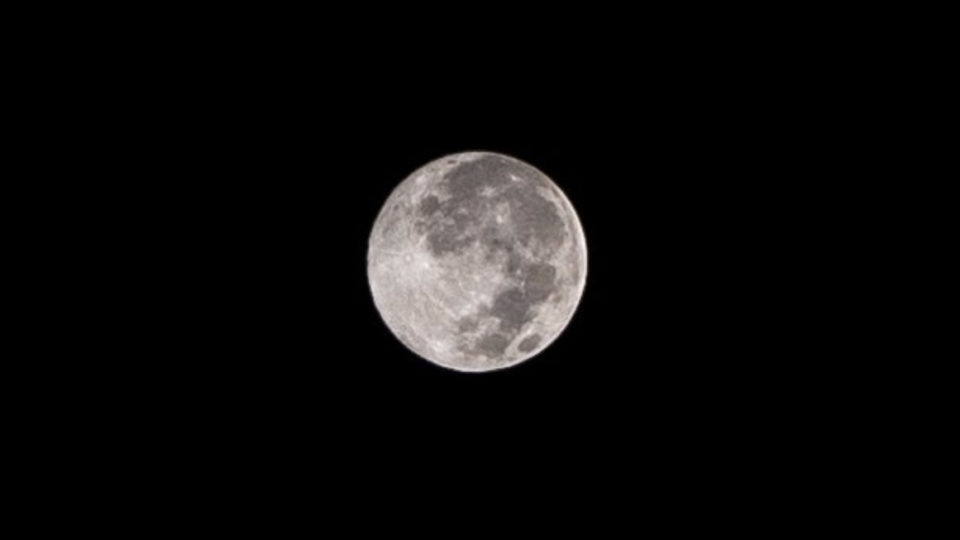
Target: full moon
[(477, 261)]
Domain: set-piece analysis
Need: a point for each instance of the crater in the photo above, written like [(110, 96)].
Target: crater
[(429, 205), (535, 218), (493, 345), (539, 281), (449, 227), (467, 325), (514, 264), (447, 239), (496, 239), (512, 308), (529, 343), (466, 179)]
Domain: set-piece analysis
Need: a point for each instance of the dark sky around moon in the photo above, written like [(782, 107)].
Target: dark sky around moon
[(690, 319), (670, 204), (242, 347)]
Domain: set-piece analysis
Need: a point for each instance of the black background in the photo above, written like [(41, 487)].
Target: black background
[(265, 163), (223, 172), (681, 187)]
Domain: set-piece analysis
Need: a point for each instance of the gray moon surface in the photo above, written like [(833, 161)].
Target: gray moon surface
[(477, 261)]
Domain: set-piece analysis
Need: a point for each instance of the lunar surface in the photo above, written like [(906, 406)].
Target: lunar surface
[(477, 261)]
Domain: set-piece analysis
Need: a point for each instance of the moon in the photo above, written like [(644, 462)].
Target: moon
[(477, 261)]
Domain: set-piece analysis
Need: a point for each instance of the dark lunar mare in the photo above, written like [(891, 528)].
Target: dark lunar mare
[(529, 343), (458, 222)]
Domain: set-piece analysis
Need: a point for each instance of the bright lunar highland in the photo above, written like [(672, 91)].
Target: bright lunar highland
[(477, 261)]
